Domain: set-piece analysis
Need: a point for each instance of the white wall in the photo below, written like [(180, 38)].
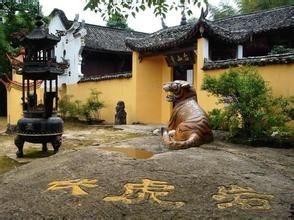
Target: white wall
[(70, 44)]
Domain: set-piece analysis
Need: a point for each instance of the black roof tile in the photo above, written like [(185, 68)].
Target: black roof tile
[(108, 39), (236, 29), (102, 38)]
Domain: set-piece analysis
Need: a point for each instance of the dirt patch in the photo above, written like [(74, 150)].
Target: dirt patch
[(76, 137), (34, 153)]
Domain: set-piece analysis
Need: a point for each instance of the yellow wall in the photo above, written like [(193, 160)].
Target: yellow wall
[(143, 94), (14, 106), (279, 76), (14, 102), (112, 91), (148, 76)]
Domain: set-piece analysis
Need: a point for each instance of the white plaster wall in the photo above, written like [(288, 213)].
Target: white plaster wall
[(72, 45)]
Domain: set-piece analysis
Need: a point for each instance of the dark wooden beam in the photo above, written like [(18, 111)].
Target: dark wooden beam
[(142, 55)]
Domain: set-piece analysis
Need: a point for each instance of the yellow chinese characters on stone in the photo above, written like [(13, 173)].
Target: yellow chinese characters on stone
[(246, 198), (147, 190), (74, 185)]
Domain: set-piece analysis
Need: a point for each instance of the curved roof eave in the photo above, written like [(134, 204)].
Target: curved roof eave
[(193, 32)]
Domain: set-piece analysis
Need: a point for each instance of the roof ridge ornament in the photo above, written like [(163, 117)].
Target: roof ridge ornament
[(39, 23), (204, 14), (183, 19)]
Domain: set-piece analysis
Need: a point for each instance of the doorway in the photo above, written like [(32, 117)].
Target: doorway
[(184, 72)]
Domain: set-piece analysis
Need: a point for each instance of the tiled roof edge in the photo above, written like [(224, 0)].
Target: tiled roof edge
[(285, 58), (106, 77)]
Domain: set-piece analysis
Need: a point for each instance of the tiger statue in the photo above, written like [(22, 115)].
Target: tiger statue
[(188, 125)]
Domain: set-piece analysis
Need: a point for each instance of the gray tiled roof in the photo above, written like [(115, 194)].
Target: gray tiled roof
[(108, 39), (236, 29), (102, 38)]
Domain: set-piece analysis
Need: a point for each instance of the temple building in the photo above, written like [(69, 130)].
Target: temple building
[(132, 66), (192, 50)]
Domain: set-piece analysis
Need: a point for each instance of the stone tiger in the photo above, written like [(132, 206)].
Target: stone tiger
[(188, 125)]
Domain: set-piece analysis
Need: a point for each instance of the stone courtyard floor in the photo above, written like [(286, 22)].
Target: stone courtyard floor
[(90, 179)]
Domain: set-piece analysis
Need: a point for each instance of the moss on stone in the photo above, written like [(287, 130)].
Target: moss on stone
[(7, 164)]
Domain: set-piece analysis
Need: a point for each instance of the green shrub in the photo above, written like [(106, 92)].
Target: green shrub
[(218, 119), (250, 108), (280, 49), (222, 120), (67, 108), (91, 110)]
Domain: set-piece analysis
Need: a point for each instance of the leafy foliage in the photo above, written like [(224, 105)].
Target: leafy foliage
[(18, 20), (117, 21), (218, 119), (278, 49), (75, 109), (250, 108), (125, 7), (222, 120), (247, 6), (67, 108), (222, 10), (92, 107)]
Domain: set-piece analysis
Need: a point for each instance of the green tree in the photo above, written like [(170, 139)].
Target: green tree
[(222, 10), (160, 7), (247, 6), (117, 21), (251, 110), (18, 20)]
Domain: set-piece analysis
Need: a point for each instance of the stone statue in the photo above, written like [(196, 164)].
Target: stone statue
[(188, 125), (120, 115)]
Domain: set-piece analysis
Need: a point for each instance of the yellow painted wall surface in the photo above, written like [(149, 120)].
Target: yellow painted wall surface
[(148, 75), (14, 106), (143, 94), (140, 93), (112, 91), (280, 77), (14, 102)]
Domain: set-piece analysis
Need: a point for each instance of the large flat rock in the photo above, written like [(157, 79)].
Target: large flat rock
[(192, 179)]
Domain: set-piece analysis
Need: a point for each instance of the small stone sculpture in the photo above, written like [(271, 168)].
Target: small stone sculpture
[(188, 125), (121, 115)]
